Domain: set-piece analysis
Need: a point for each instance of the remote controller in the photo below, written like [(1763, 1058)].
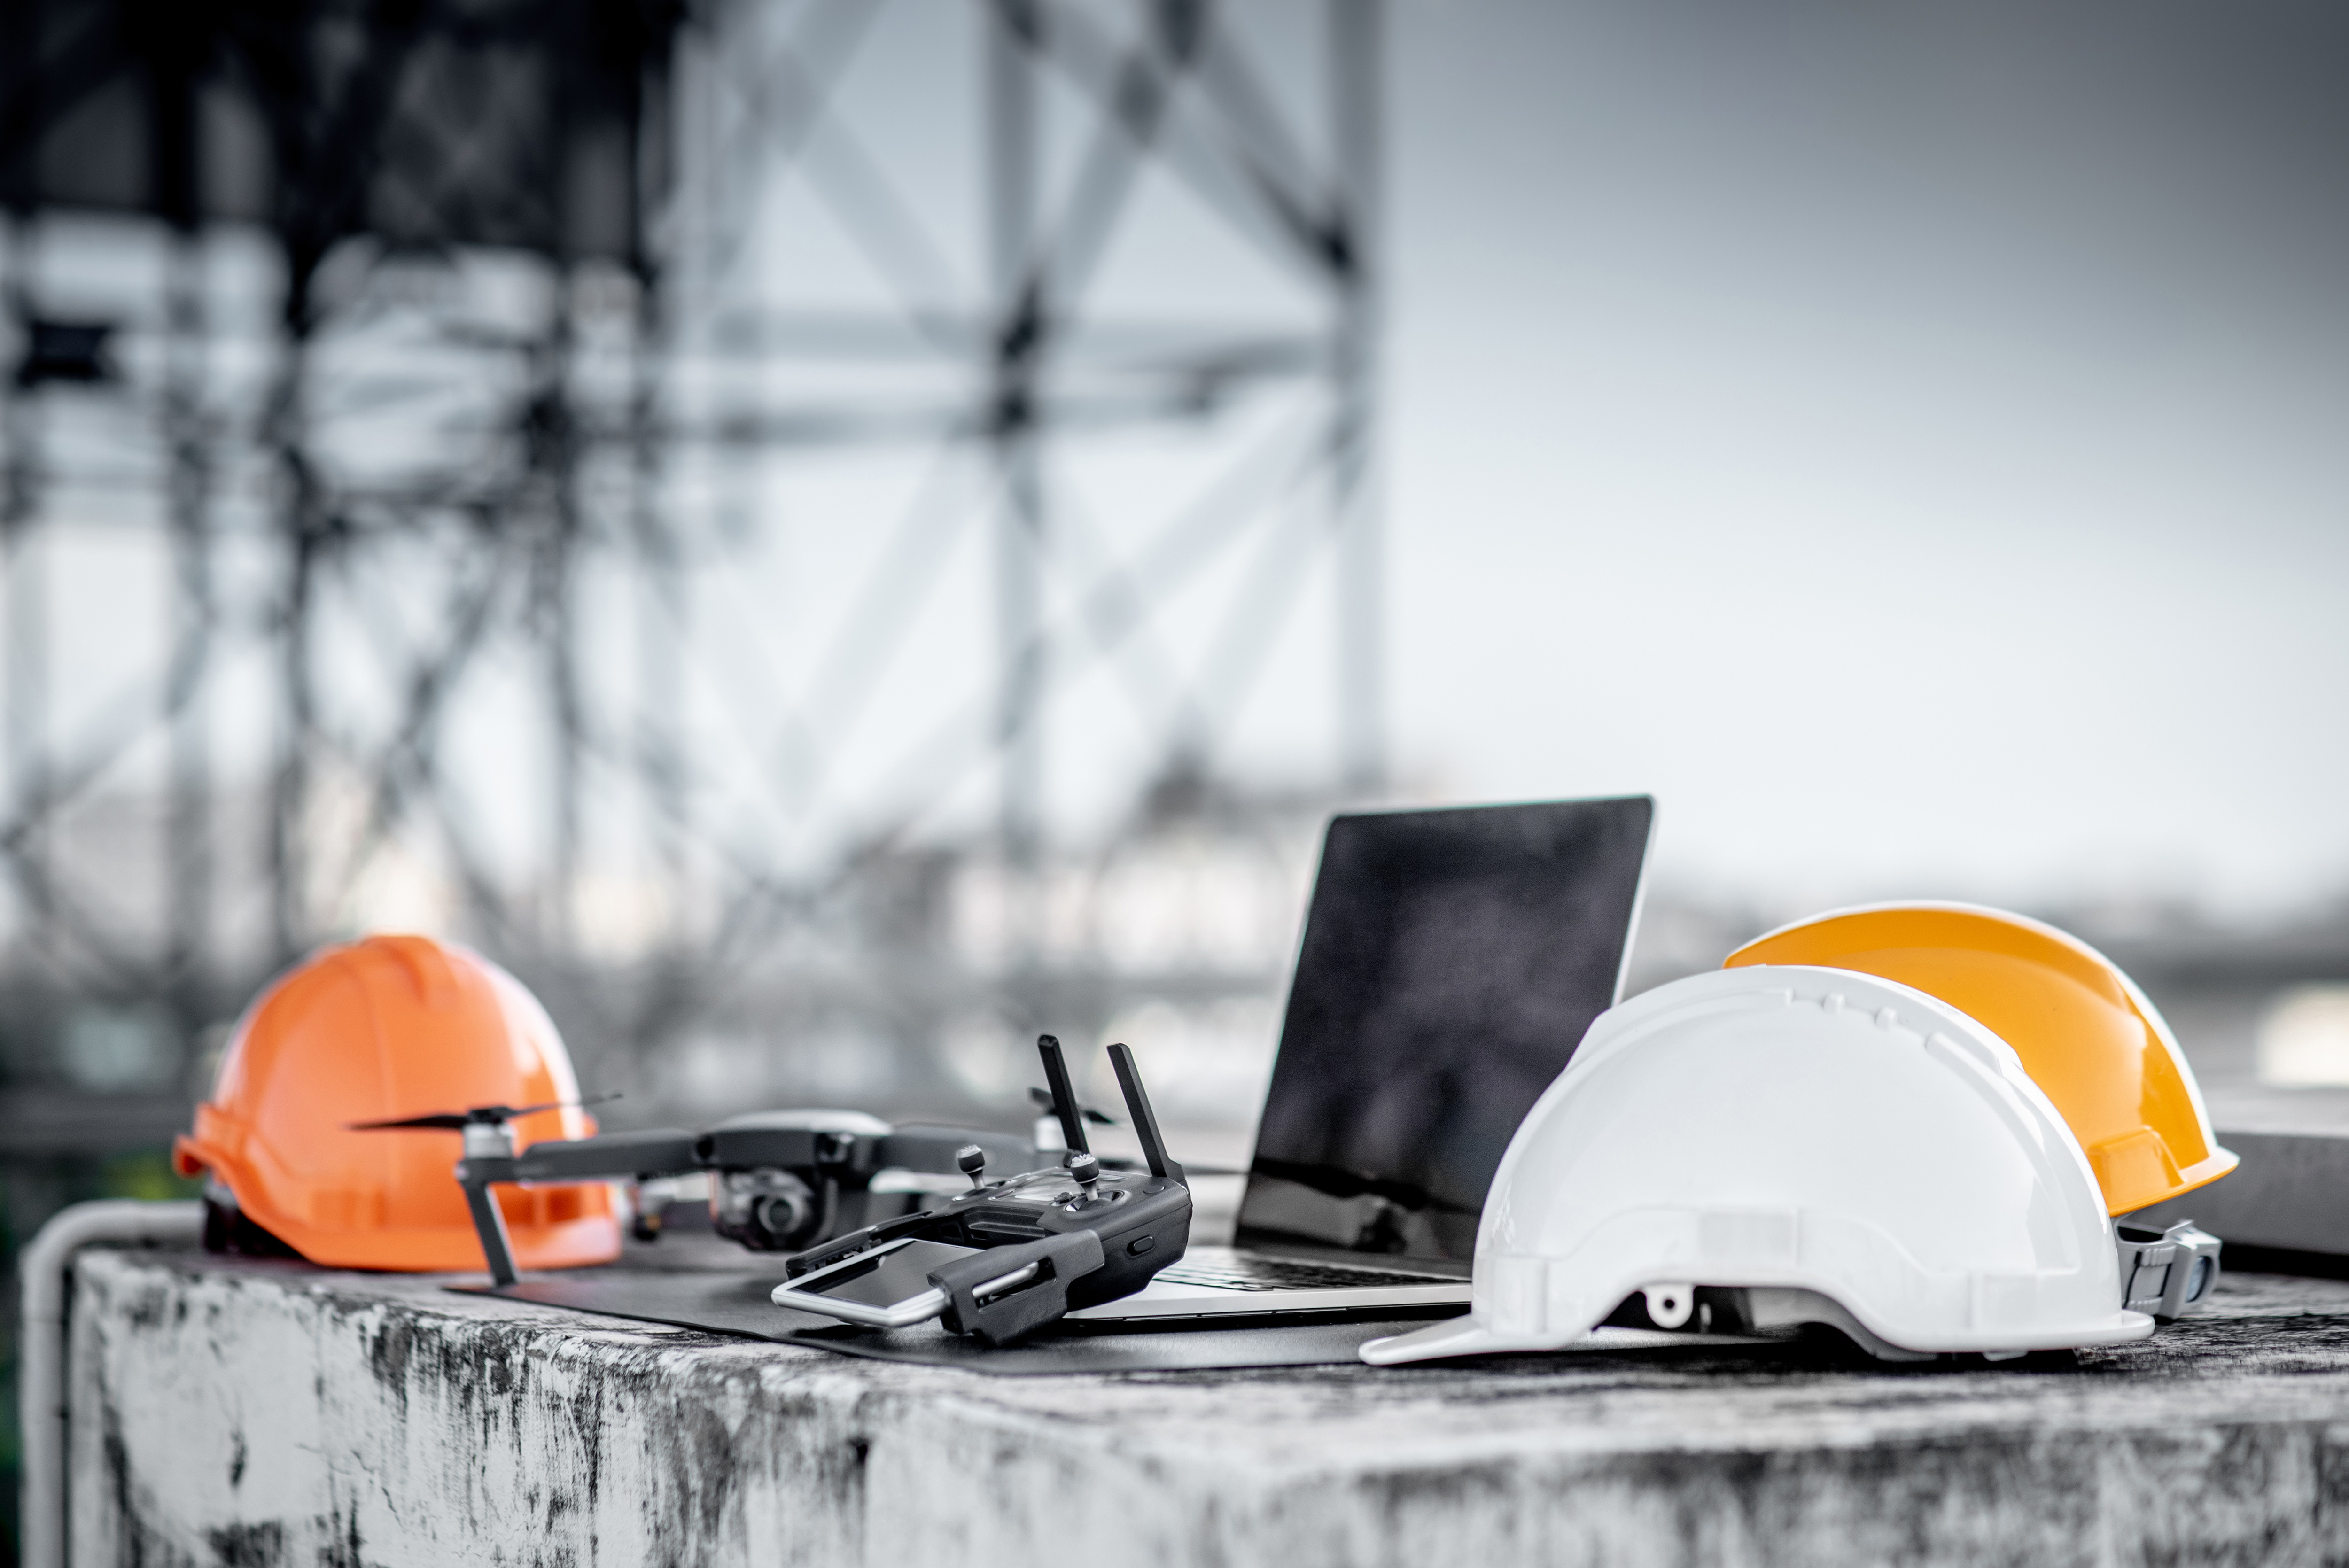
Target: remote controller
[(1010, 1256)]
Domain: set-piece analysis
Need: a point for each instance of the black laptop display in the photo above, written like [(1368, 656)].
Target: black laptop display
[(1452, 961)]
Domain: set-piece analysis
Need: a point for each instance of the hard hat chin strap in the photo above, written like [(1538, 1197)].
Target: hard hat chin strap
[(2166, 1273)]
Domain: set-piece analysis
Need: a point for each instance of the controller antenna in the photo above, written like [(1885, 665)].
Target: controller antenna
[(1064, 1094), (1138, 1111), (970, 1159)]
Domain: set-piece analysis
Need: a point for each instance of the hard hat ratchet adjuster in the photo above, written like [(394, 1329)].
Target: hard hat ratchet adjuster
[(2166, 1273)]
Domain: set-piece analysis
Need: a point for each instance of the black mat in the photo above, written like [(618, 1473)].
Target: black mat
[(738, 1303)]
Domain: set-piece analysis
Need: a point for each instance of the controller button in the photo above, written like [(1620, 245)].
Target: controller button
[(1140, 1245)]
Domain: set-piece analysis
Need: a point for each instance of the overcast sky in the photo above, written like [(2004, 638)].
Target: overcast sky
[(1910, 439)]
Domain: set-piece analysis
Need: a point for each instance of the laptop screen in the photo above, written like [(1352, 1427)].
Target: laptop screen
[(1451, 961)]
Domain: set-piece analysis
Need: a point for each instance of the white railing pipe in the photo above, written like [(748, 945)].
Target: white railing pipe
[(41, 1405)]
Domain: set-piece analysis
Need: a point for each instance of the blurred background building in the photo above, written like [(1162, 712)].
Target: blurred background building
[(829, 535)]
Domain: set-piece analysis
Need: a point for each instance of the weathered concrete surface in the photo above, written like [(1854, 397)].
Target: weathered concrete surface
[(252, 1414)]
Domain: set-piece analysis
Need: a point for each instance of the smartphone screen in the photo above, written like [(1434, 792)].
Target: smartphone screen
[(886, 1278)]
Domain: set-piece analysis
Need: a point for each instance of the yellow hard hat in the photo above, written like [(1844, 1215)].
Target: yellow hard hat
[(2086, 1035)]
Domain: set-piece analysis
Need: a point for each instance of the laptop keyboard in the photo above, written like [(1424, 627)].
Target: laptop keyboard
[(1279, 1274)]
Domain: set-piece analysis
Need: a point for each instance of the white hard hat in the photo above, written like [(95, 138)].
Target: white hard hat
[(1847, 1150)]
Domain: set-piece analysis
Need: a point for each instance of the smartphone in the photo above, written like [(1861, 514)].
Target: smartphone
[(887, 1287)]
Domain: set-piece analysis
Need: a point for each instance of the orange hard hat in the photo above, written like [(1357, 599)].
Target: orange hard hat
[(392, 1026), (2089, 1039)]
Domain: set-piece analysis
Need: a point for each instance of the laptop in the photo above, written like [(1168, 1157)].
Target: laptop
[(1451, 962)]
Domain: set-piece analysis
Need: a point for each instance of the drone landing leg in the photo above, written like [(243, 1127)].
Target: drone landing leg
[(488, 1157), (490, 1224)]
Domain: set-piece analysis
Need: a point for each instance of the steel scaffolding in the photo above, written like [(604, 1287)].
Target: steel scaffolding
[(455, 380)]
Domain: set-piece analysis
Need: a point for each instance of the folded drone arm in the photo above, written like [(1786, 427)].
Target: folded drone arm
[(665, 1151)]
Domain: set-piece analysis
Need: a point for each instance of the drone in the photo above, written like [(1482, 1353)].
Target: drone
[(780, 1181)]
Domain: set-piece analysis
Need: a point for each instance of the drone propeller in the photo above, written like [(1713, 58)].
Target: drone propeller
[(1043, 1098), (479, 1115)]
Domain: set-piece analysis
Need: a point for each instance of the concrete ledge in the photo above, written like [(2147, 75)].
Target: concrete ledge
[(241, 1413)]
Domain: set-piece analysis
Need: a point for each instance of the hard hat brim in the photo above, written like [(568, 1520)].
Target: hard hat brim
[(1460, 1337)]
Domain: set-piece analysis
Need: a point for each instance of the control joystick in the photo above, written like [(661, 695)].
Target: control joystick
[(971, 1160), (1085, 1170)]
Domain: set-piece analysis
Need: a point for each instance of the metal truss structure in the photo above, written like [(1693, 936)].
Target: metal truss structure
[(653, 493)]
